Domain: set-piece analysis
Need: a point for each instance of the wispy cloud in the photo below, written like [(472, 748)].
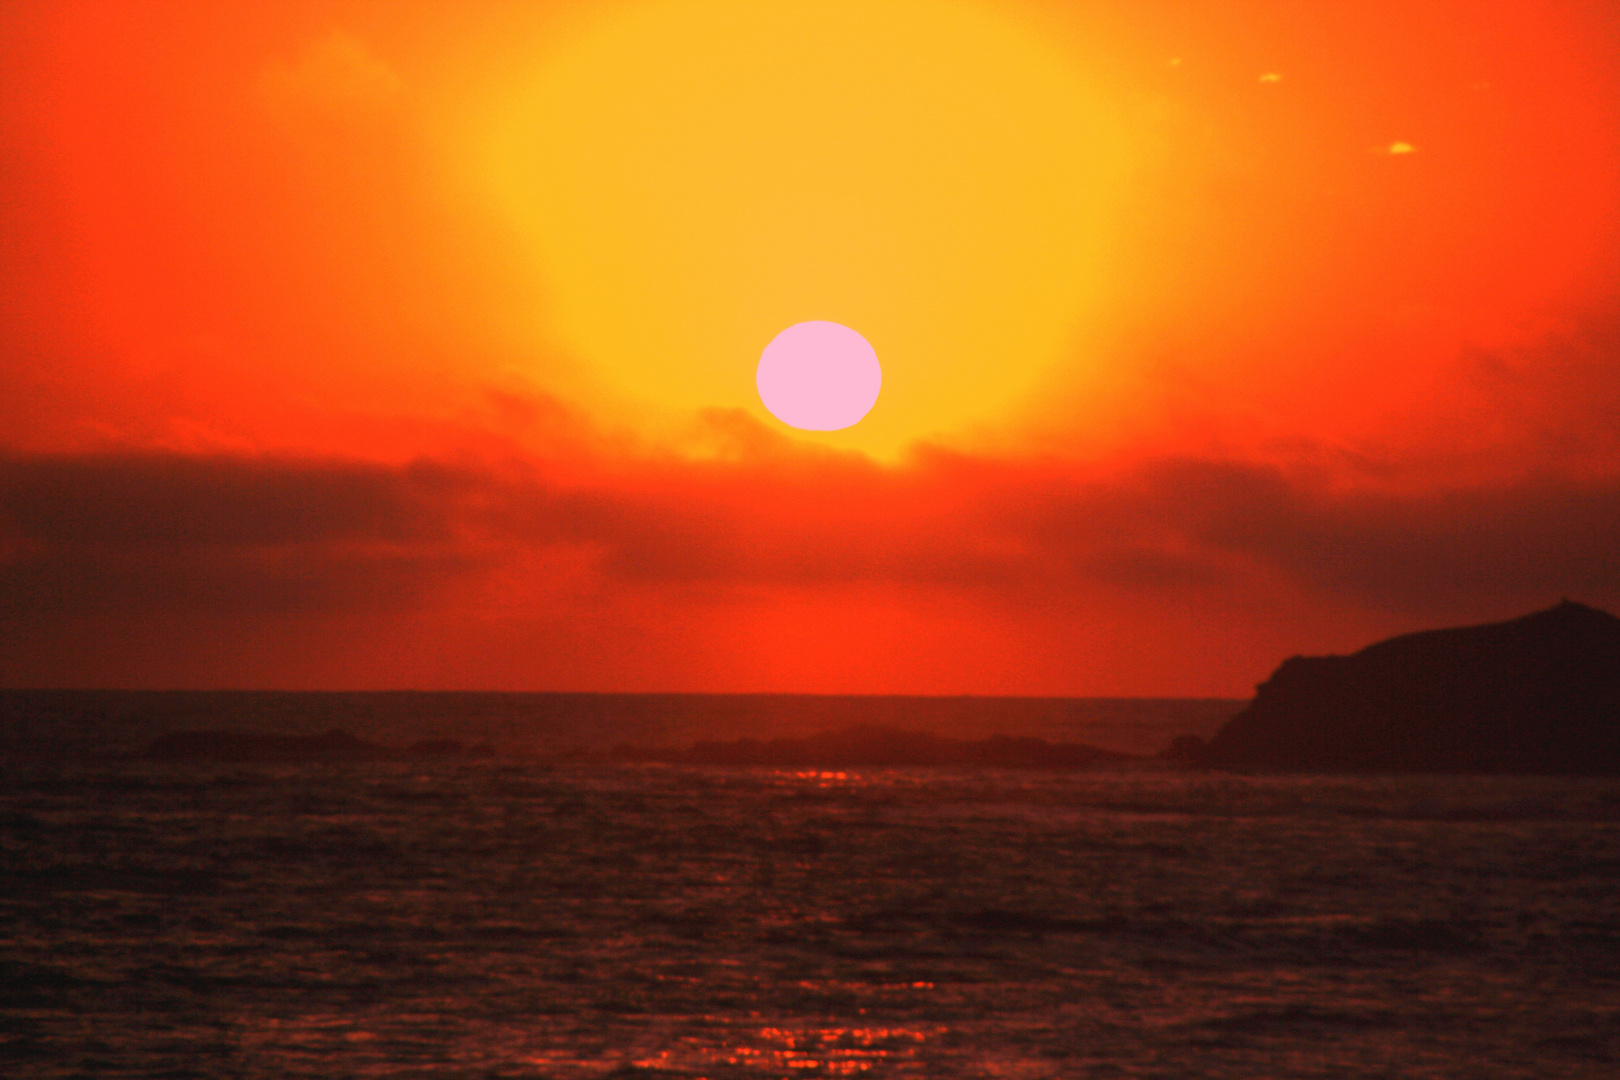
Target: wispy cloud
[(334, 75)]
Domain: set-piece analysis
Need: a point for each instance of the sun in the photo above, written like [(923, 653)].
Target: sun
[(691, 176), (819, 376)]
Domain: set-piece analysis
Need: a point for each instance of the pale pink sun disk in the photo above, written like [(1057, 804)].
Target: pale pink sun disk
[(819, 376)]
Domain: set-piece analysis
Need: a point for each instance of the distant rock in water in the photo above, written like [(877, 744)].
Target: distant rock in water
[(874, 747), (251, 746), (448, 748), (1536, 695), (336, 745)]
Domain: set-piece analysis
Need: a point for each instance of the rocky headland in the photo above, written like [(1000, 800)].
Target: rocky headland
[(1535, 695)]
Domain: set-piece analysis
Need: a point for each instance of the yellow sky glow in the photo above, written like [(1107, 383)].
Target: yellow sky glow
[(694, 177)]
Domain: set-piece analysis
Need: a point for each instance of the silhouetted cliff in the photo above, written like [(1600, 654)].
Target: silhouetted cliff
[(1538, 694)]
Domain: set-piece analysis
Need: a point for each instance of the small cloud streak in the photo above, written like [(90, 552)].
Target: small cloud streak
[(1400, 148), (336, 75)]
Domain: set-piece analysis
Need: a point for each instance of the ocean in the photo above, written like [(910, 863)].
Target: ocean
[(523, 916)]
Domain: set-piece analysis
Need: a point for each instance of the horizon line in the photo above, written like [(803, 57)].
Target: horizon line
[(618, 693)]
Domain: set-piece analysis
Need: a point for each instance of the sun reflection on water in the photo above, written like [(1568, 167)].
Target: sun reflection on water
[(826, 1050)]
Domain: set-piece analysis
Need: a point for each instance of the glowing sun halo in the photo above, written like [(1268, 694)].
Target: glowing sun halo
[(693, 175), (819, 376)]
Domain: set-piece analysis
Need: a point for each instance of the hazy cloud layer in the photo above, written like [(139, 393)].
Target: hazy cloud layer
[(134, 533), (244, 535)]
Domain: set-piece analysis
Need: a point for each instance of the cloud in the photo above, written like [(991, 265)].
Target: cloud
[(179, 501), (223, 534), (794, 570), (335, 75), (160, 532), (1435, 553)]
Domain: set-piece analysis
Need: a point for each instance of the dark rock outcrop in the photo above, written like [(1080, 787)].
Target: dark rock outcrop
[(250, 746), (874, 747), (216, 744), (1536, 695)]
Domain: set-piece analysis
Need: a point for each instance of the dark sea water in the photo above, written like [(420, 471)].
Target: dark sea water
[(508, 918)]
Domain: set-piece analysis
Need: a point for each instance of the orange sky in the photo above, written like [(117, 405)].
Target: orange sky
[(412, 344)]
